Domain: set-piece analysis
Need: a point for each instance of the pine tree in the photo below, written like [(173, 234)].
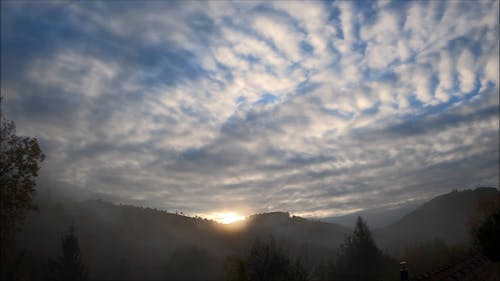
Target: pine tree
[(358, 258), (69, 266)]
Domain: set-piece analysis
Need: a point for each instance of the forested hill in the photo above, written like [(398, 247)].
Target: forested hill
[(449, 217), (126, 242)]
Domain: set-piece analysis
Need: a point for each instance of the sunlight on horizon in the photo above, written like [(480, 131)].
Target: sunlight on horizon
[(227, 217)]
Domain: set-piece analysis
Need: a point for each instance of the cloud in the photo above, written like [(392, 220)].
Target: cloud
[(68, 71), (311, 107), (283, 37), (466, 75), (491, 70), (421, 82), (446, 80)]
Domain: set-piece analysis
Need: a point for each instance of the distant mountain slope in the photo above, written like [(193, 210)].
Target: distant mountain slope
[(120, 241), (376, 218), (313, 240), (446, 217)]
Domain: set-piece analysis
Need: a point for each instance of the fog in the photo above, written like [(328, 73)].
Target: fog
[(139, 243)]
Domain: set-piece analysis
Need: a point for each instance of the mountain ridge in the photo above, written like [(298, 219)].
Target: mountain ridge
[(446, 217), (152, 239)]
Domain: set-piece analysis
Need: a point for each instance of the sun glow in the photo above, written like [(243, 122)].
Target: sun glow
[(228, 217)]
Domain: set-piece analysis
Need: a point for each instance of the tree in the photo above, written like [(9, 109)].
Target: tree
[(297, 272), (68, 266), (487, 236), (358, 257), (427, 255), (235, 269), (20, 161), (267, 261)]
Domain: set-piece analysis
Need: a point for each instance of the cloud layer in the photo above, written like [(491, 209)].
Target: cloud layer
[(316, 108)]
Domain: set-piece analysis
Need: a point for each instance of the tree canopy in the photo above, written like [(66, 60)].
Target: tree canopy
[(20, 161), (265, 261), (487, 236), (358, 257), (69, 266)]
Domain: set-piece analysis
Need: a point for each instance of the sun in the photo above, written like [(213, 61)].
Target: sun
[(228, 217)]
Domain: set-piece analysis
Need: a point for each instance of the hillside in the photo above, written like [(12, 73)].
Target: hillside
[(447, 217), (126, 242), (377, 217)]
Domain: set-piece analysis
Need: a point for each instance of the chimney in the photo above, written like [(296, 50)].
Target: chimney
[(403, 271)]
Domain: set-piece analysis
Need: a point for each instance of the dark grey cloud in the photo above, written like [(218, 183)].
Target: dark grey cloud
[(438, 123)]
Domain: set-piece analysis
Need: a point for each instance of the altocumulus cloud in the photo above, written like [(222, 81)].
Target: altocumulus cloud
[(317, 108)]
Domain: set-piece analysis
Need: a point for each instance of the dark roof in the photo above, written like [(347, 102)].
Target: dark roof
[(473, 267)]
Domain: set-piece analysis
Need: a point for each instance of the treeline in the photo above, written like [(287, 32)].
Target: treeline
[(357, 259), (111, 248), (266, 259), (99, 240)]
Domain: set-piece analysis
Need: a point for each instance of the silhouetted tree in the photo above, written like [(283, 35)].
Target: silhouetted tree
[(430, 254), (20, 159), (358, 257), (322, 271), (487, 236), (267, 261), (297, 272), (69, 266), (235, 269)]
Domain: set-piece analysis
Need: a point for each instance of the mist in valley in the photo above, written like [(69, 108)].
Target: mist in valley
[(125, 242)]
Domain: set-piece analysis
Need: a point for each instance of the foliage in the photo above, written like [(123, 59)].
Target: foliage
[(485, 207), (428, 255), (69, 266), (266, 261), (487, 236), (20, 159), (235, 269), (20, 162), (12, 269), (358, 257), (322, 271), (297, 271)]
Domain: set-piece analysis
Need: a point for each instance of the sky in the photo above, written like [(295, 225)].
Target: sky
[(315, 108)]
